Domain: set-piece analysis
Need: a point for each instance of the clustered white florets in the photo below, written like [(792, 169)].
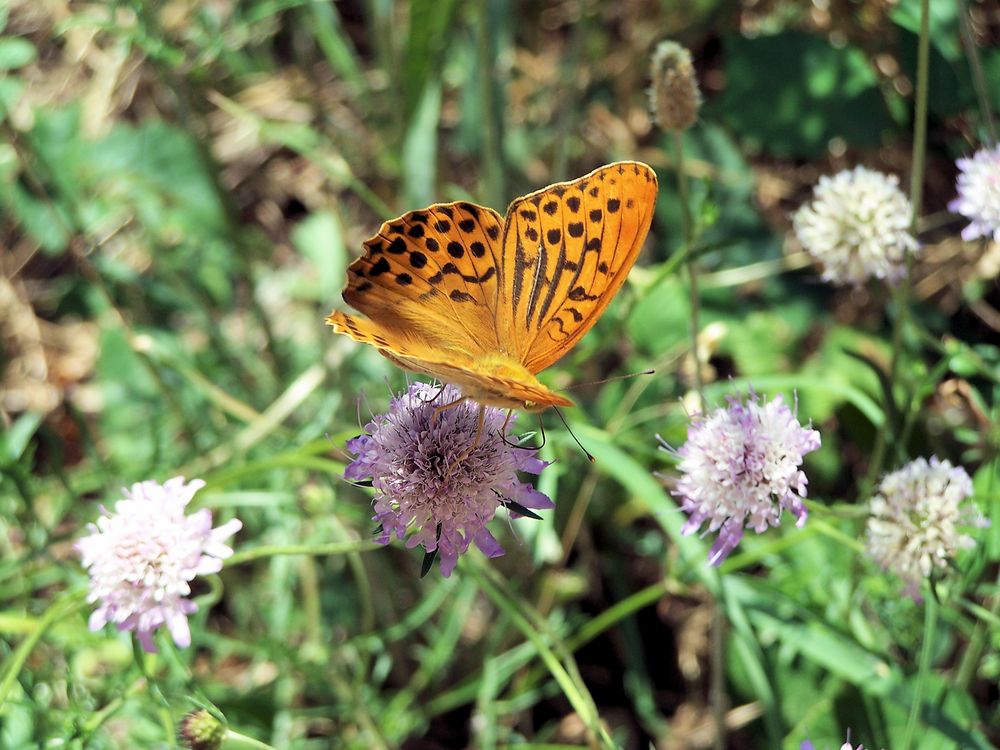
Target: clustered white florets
[(857, 226), (143, 556), (917, 517), (740, 469), (979, 194), (440, 474)]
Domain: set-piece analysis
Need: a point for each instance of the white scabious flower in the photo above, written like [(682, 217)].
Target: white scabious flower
[(979, 194), (441, 475), (857, 226), (917, 516), (740, 469), (143, 556)]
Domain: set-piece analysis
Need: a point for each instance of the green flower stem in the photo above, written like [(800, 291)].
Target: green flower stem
[(687, 228), (926, 652), (976, 66), (717, 691), (901, 294), (979, 640), (236, 741), (272, 550)]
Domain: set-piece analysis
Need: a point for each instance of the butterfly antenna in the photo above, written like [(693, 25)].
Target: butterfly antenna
[(503, 435), (588, 454), (610, 380)]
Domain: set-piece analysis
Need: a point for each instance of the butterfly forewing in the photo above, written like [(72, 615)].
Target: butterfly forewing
[(450, 293), (566, 251), (432, 275)]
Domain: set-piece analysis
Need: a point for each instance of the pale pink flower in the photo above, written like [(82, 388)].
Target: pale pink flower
[(143, 556), (740, 469), (979, 194)]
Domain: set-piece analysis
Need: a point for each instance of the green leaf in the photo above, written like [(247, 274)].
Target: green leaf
[(320, 238), (15, 52), (14, 440), (888, 399), (429, 33), (420, 149), (790, 93)]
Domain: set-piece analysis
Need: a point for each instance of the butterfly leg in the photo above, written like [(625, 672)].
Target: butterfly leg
[(445, 407), (440, 390)]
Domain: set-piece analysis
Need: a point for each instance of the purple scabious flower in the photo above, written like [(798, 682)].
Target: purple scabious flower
[(979, 194), (431, 475), (740, 469), (143, 556), (917, 517)]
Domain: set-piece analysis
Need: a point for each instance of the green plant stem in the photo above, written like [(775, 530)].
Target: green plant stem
[(717, 690), (236, 741), (976, 66), (901, 294), (926, 652), (982, 632), (272, 550), (687, 226), (920, 121)]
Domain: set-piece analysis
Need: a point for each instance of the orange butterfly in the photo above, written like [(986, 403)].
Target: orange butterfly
[(459, 293)]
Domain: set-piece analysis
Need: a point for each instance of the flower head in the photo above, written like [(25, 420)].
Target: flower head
[(437, 471), (142, 557), (199, 730), (857, 226), (979, 194), (916, 516), (740, 468), (674, 97)]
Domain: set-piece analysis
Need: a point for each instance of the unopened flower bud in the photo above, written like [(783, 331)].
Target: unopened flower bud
[(674, 96)]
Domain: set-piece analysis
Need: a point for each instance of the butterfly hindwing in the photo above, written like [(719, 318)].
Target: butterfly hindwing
[(476, 378), (434, 273), (567, 250)]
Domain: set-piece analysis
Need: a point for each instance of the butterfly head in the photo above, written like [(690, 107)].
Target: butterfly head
[(504, 382)]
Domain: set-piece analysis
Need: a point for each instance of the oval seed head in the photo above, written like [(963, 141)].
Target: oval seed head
[(674, 97)]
